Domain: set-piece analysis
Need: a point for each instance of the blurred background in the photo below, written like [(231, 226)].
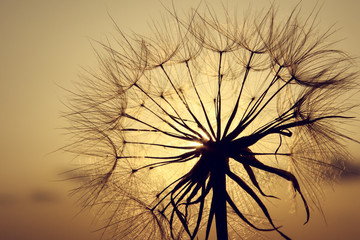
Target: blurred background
[(44, 44)]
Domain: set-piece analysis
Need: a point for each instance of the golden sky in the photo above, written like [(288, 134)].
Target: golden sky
[(43, 45)]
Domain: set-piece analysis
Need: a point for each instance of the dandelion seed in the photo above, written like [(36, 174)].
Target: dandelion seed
[(198, 123)]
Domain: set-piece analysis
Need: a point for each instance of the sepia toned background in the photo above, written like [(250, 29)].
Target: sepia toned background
[(43, 46)]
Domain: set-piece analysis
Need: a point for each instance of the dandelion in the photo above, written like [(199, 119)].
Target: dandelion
[(197, 124)]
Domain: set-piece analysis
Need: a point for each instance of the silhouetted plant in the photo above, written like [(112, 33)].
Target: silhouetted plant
[(202, 120)]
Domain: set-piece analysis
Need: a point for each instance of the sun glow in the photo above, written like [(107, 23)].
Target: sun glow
[(196, 144)]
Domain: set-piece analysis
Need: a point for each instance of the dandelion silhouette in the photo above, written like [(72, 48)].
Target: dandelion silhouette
[(198, 123)]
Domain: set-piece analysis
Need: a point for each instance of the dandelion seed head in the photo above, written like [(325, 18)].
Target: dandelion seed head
[(205, 118)]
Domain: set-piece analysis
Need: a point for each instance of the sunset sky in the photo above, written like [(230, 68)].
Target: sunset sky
[(44, 44)]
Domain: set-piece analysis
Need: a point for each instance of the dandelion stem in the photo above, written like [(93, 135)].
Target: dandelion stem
[(218, 178)]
